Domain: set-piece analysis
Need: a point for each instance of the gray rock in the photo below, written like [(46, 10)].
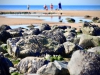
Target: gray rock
[(69, 47), (94, 49), (30, 64), (87, 41), (53, 68), (56, 35), (32, 45), (90, 29), (84, 63), (12, 69)]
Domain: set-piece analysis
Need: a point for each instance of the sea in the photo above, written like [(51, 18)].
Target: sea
[(40, 7)]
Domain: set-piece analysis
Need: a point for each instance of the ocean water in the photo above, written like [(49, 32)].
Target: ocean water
[(40, 7)]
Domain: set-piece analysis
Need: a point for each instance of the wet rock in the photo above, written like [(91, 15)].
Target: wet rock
[(84, 63)]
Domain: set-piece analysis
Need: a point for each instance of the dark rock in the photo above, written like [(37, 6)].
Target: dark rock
[(45, 26), (4, 65), (55, 35), (4, 27), (4, 36), (71, 20)]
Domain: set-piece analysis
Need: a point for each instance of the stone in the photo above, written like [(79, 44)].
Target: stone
[(87, 41), (53, 68), (44, 26), (69, 47), (31, 64), (4, 27), (4, 65), (84, 63)]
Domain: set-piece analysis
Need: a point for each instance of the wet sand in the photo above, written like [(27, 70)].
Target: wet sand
[(16, 21)]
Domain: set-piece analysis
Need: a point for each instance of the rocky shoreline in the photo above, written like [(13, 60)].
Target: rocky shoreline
[(50, 50)]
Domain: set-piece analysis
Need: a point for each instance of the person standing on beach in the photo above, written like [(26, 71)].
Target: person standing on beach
[(51, 6), (28, 7), (60, 7), (45, 7)]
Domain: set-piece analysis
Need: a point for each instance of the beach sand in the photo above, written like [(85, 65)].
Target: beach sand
[(16, 21)]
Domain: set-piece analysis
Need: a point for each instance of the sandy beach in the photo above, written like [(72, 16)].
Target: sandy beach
[(16, 21)]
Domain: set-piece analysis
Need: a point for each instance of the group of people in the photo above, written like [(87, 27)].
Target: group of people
[(51, 6)]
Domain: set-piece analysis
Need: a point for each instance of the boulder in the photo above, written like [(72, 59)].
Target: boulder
[(30, 64), (4, 36), (87, 41), (54, 68), (90, 29), (69, 47), (3, 48), (44, 26), (71, 20), (4, 27), (56, 35), (32, 45), (84, 63), (95, 50), (4, 65)]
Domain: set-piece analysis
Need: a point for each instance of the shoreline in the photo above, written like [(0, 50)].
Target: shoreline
[(23, 21)]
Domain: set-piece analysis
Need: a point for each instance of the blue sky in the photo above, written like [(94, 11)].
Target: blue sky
[(48, 2)]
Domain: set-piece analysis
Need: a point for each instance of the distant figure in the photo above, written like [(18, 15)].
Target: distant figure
[(45, 7), (51, 6), (60, 7), (28, 7)]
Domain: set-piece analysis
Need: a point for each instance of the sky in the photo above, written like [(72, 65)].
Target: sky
[(48, 2)]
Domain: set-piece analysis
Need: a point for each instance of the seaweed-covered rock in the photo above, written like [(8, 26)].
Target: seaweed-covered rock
[(71, 20), (84, 63), (4, 65), (54, 68), (30, 64), (4, 27)]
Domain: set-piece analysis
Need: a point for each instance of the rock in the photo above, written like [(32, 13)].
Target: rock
[(4, 65), (95, 19), (69, 47), (90, 29), (15, 33), (32, 45), (95, 50), (12, 69), (56, 35), (71, 20), (44, 26), (53, 68), (87, 41), (4, 27), (34, 31), (30, 64), (84, 63), (3, 48), (4, 36)]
